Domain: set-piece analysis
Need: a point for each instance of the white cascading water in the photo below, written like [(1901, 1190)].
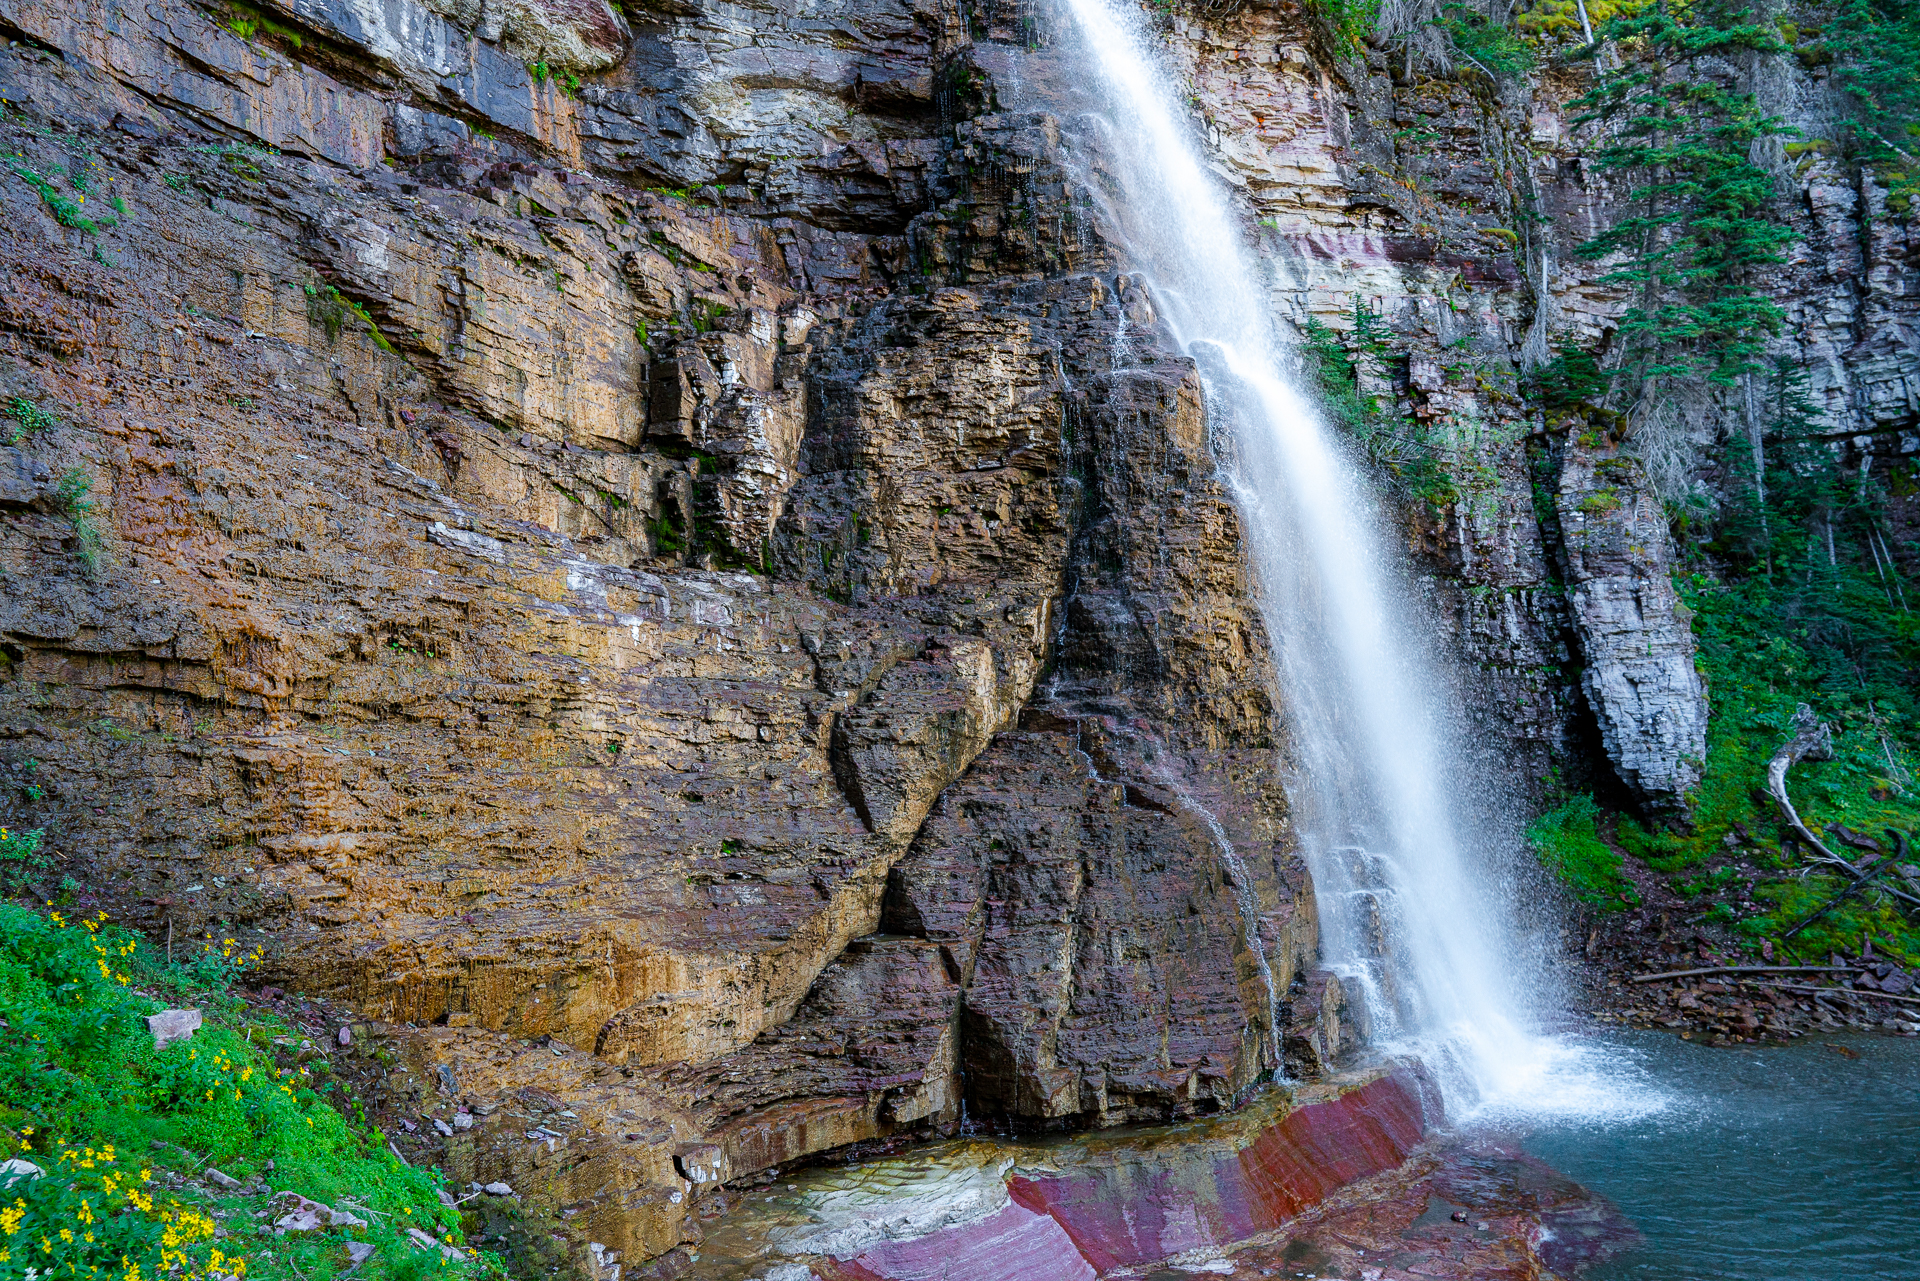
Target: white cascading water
[(1408, 915)]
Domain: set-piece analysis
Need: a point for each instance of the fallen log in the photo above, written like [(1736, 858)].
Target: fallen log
[(1813, 741), (1746, 969)]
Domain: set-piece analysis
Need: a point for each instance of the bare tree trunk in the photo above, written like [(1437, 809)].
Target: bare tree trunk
[(1756, 440)]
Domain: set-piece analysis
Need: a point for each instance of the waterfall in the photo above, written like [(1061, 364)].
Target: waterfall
[(1413, 912)]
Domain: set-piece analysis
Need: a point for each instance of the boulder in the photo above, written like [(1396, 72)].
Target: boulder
[(169, 1026)]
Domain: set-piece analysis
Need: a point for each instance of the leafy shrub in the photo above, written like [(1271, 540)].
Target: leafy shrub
[(1567, 842), (27, 418), (21, 858), (217, 965), (1493, 48), (72, 496), (1421, 460)]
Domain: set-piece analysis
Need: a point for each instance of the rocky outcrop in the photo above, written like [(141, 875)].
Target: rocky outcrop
[(544, 612), (656, 550), (1077, 1211), (1636, 651)]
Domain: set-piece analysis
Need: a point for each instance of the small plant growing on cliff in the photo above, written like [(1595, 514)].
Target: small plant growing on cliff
[(21, 858), (1408, 451), (66, 209), (329, 308), (27, 418), (1600, 502), (72, 497), (245, 159)]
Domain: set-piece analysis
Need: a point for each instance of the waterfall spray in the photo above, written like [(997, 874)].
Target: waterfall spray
[(1411, 914)]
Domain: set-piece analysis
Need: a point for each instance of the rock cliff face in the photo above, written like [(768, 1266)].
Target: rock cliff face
[(632, 548)]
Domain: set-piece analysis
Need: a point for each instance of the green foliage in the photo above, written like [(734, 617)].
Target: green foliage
[(94, 1214), (66, 209), (1425, 462), (215, 967), (1764, 647), (1698, 223), (1490, 46), (1876, 44), (1793, 900), (72, 497), (1567, 841), (704, 314), (1795, 598), (1571, 379), (329, 308), (27, 417), (1349, 22), (246, 22), (86, 1096), (1600, 502), (21, 858)]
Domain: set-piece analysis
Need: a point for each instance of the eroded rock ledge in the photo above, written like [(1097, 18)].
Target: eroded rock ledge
[(635, 554)]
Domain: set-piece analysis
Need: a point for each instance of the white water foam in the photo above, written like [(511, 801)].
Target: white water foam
[(1414, 912)]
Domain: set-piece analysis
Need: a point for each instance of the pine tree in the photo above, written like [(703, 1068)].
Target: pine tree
[(1698, 223)]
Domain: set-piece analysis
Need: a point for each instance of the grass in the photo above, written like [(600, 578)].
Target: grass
[(1567, 841), (1760, 663), (126, 1133)]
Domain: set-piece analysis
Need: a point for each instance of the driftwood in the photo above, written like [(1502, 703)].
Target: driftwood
[(1812, 741), (1846, 894)]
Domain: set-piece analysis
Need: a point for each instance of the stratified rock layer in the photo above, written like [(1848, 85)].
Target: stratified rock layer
[(1636, 649), (657, 550)]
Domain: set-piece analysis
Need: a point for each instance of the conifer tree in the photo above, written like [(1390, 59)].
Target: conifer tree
[(1698, 225)]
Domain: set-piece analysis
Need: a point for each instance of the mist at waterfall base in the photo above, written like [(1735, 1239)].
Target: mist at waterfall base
[(1416, 909)]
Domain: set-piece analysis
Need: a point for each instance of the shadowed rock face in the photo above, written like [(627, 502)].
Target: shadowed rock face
[(654, 550)]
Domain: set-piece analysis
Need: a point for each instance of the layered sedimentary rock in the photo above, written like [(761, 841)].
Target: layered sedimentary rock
[(657, 550), (549, 609), (1083, 1210), (1637, 654)]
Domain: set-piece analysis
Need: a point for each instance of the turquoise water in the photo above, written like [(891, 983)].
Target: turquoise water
[(1797, 1163)]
